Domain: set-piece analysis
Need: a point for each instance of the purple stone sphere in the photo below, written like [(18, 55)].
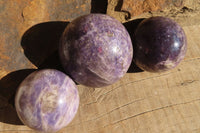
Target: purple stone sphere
[(47, 100), (160, 44), (96, 50)]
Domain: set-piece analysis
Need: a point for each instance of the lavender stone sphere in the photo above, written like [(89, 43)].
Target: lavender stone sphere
[(160, 44), (47, 100), (96, 50)]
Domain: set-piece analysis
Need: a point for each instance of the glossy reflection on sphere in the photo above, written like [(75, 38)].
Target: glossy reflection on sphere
[(96, 50), (47, 100), (160, 44)]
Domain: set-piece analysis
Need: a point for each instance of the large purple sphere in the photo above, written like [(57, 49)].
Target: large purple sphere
[(160, 44), (47, 100), (96, 50)]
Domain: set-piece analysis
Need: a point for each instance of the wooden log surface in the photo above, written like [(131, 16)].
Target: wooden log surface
[(141, 102)]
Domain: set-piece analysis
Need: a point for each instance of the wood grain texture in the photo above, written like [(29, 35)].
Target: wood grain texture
[(140, 102), (147, 102)]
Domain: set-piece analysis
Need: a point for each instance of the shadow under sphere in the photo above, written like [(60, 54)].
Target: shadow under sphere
[(131, 27), (8, 88), (40, 44), (99, 6)]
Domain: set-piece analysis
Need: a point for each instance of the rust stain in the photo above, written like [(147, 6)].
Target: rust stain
[(83, 7), (135, 7), (3, 73), (20, 15), (3, 57), (35, 12)]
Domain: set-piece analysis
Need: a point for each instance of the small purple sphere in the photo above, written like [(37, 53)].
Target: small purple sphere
[(47, 100), (96, 50), (160, 44)]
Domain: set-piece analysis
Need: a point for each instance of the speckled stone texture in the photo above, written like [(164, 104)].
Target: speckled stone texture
[(160, 44), (16, 17), (96, 50), (137, 7), (124, 10), (47, 100)]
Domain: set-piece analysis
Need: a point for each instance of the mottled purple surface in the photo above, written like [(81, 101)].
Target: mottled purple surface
[(47, 100), (96, 50), (160, 44)]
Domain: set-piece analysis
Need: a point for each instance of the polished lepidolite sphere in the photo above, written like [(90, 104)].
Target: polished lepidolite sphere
[(96, 50), (160, 44), (47, 100)]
